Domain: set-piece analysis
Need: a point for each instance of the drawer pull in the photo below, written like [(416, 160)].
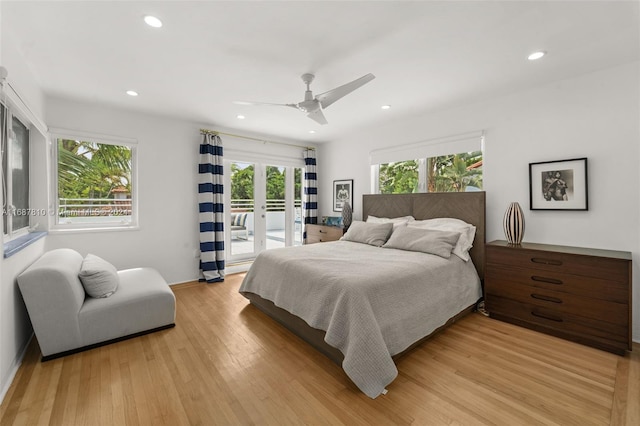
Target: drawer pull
[(546, 261), (545, 316), (546, 298), (321, 231), (545, 280)]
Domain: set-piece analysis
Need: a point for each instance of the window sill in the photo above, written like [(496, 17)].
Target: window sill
[(14, 246), (78, 230)]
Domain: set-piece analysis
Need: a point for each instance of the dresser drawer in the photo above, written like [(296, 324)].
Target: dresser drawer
[(607, 336), (590, 266), (322, 233), (603, 310), (498, 277)]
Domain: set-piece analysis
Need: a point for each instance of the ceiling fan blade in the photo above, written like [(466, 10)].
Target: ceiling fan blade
[(327, 98), (318, 117), (263, 103)]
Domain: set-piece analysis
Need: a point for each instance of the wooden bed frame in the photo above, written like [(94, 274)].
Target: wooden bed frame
[(467, 206)]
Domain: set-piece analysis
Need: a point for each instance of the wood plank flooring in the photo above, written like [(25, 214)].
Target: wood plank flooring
[(226, 363)]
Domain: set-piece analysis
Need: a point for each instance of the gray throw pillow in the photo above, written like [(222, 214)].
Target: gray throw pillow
[(99, 278), (431, 241), (374, 234)]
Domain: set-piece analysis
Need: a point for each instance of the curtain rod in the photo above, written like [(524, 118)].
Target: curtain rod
[(215, 132)]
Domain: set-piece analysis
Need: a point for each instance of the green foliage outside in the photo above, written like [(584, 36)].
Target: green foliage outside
[(448, 173), (399, 178), (242, 183), (92, 170)]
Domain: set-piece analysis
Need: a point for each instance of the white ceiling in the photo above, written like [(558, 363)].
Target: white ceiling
[(425, 55)]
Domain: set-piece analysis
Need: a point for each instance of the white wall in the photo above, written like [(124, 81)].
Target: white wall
[(167, 181), (15, 328), (167, 184), (594, 115)]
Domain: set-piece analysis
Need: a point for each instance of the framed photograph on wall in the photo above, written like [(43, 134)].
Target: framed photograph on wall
[(558, 185), (342, 191)]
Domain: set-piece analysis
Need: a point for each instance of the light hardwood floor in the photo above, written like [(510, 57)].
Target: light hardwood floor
[(225, 363)]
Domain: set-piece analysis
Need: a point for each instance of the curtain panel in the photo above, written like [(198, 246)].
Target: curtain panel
[(211, 208), (310, 196)]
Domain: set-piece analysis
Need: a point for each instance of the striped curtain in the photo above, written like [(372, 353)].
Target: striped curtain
[(310, 198), (211, 207)]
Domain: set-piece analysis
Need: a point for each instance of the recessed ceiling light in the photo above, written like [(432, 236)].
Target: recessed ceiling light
[(132, 93), (537, 55), (240, 117), (385, 106), (312, 131), (152, 21)]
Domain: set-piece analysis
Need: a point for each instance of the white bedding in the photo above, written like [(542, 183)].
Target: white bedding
[(372, 302)]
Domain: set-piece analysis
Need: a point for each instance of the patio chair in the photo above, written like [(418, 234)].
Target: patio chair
[(239, 224)]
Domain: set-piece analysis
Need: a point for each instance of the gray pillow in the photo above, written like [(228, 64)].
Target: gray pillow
[(431, 241), (374, 234), (99, 278)]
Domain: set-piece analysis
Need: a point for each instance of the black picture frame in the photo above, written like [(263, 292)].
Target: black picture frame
[(342, 191), (559, 185)]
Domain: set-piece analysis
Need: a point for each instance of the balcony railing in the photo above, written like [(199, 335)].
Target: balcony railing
[(88, 207), (247, 205), (91, 207)]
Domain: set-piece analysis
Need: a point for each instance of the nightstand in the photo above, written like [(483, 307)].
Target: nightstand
[(322, 233), (578, 294)]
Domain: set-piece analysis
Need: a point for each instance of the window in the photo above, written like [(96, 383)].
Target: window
[(455, 173), (449, 164), (446, 173), (95, 183), (15, 174), (399, 177)]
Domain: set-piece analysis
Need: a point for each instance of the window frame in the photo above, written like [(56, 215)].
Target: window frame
[(421, 151), (54, 222), (7, 178)]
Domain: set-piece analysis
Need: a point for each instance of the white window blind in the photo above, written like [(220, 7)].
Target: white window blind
[(466, 142)]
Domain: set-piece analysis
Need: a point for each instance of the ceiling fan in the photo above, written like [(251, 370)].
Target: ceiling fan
[(313, 106)]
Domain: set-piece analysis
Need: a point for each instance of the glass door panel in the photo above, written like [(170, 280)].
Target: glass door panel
[(297, 206), (241, 221), (275, 206)]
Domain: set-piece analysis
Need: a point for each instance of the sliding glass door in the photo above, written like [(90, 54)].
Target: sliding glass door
[(264, 208)]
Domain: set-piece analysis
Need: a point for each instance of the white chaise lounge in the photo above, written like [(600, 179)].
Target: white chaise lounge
[(66, 320)]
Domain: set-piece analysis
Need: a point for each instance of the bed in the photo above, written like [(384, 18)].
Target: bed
[(365, 306)]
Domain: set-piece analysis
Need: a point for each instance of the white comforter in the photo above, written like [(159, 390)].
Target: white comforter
[(372, 302)]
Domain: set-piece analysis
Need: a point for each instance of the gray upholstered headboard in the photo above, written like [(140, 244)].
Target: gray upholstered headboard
[(467, 206)]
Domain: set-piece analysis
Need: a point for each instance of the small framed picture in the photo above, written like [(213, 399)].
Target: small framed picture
[(558, 185), (342, 192)]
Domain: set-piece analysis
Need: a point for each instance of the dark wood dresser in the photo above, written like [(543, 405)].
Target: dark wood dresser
[(579, 294)]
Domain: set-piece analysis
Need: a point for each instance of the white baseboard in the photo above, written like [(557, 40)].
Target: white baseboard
[(17, 362)]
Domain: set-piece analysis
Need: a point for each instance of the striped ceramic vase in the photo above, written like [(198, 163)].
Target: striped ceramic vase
[(347, 215), (514, 224)]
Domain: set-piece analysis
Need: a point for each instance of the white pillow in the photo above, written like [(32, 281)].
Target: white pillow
[(99, 278), (397, 221), (431, 241), (466, 230), (375, 234)]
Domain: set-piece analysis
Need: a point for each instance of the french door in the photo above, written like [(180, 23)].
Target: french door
[(262, 208)]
